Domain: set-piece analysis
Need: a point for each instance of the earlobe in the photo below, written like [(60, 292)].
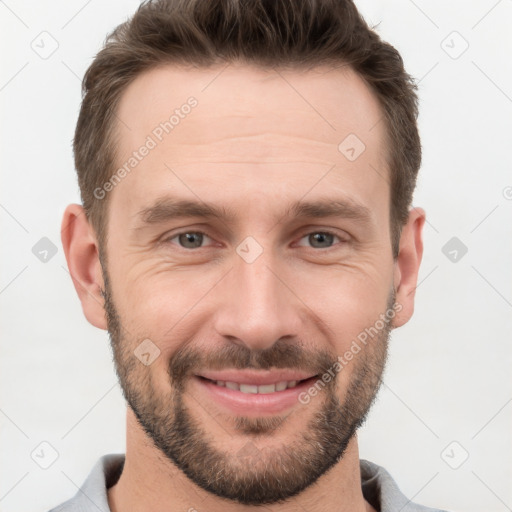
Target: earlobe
[(81, 250), (407, 265)]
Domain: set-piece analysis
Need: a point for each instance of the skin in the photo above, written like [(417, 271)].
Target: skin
[(254, 145)]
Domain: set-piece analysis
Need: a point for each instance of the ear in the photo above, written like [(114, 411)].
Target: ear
[(82, 255), (407, 265)]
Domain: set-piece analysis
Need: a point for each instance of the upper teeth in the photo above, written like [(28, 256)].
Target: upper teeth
[(251, 388)]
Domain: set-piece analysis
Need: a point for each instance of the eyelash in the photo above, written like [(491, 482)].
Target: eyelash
[(323, 232)]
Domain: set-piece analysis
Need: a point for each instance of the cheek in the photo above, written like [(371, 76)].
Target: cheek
[(347, 299), (156, 298), (348, 318), (159, 302)]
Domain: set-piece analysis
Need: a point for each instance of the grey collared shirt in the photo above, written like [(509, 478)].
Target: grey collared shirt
[(378, 487)]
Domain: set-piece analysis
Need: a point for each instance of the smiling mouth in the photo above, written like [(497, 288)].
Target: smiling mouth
[(262, 389)]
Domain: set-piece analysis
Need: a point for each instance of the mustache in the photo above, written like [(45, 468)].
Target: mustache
[(283, 354)]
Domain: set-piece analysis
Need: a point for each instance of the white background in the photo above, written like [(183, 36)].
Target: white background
[(448, 377)]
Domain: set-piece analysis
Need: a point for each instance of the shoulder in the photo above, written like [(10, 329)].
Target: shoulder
[(92, 495), (382, 492)]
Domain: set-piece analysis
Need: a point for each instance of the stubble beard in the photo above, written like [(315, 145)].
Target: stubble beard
[(253, 475)]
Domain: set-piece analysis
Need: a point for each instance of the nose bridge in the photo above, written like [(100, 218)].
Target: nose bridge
[(257, 308)]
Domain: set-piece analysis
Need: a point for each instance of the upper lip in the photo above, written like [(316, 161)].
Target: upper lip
[(255, 377)]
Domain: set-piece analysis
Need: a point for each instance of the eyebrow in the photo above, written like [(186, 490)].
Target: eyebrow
[(169, 208)]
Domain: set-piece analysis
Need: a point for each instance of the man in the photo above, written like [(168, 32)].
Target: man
[(246, 237)]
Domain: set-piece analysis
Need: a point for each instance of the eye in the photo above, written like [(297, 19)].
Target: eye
[(189, 239), (195, 239), (320, 239)]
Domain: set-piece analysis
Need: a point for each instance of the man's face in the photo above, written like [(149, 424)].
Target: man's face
[(264, 292)]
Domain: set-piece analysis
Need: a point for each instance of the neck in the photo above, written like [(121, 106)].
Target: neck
[(151, 482)]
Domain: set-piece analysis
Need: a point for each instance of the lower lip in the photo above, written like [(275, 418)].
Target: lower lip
[(253, 404)]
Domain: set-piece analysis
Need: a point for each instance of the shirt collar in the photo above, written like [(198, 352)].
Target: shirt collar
[(377, 485)]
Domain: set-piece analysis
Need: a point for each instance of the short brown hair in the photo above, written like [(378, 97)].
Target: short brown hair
[(289, 33)]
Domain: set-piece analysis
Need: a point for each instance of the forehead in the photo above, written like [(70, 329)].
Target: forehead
[(249, 130)]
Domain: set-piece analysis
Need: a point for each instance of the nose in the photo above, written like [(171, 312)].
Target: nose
[(257, 305)]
